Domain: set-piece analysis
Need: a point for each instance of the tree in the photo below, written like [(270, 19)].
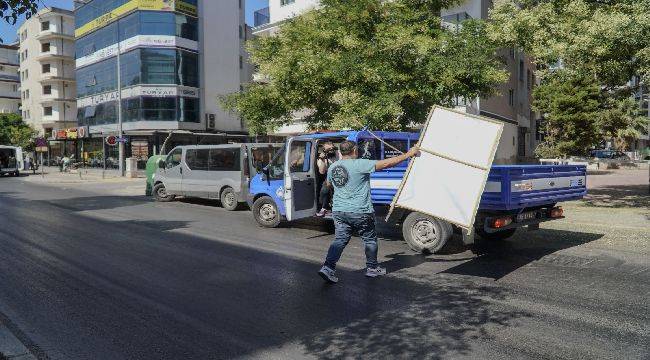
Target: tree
[(10, 10), (593, 43), (13, 131), (570, 107), (351, 64)]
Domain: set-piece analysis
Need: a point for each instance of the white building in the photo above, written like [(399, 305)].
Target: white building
[(512, 106), (9, 80), (46, 56)]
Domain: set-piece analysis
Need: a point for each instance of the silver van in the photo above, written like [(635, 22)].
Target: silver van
[(211, 171)]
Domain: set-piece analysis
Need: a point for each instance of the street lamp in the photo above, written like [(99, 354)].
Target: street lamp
[(120, 132)]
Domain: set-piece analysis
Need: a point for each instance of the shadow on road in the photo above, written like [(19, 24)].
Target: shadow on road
[(97, 202), (620, 196)]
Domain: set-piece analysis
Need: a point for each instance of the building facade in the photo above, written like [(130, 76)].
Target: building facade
[(176, 58), (47, 83), (9, 80), (512, 105)]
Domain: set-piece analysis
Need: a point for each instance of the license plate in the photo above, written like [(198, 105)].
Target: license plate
[(527, 216)]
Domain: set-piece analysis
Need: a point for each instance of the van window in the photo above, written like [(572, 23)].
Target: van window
[(197, 159), (261, 156), (300, 155), (174, 158), (224, 160), (369, 149), (276, 166)]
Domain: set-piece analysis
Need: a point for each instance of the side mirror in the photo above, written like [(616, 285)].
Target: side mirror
[(161, 164)]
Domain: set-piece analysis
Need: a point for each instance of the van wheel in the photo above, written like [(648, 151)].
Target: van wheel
[(160, 193), (229, 199), (266, 212), (496, 236), (424, 233), (17, 173)]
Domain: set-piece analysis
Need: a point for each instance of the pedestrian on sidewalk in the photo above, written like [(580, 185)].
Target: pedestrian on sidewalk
[(352, 208)]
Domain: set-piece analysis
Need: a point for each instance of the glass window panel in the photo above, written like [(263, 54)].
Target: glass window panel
[(197, 159), (224, 160)]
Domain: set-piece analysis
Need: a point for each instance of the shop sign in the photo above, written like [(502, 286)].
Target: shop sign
[(70, 134), (135, 91)]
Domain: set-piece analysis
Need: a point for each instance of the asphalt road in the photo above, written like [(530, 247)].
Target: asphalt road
[(86, 274)]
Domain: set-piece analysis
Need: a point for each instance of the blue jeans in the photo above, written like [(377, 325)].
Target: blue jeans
[(345, 223)]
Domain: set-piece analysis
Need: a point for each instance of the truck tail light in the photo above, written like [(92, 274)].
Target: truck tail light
[(501, 222), (556, 212)]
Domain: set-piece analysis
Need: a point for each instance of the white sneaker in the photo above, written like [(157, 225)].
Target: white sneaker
[(328, 274), (378, 271)]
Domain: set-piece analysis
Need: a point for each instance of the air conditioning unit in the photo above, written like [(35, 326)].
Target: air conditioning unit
[(210, 121)]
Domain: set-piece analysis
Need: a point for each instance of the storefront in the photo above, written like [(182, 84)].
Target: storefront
[(66, 143)]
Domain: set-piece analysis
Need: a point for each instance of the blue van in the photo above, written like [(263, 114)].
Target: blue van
[(515, 195)]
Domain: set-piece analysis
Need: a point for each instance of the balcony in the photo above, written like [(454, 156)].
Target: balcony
[(54, 56), (261, 17), (48, 99), (14, 95), (53, 34), (9, 78), (48, 78)]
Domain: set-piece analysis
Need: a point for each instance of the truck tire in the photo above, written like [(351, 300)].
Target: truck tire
[(424, 233), (160, 193), (496, 236), (229, 199), (266, 212)]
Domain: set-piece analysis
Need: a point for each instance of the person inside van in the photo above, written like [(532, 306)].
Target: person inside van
[(326, 157)]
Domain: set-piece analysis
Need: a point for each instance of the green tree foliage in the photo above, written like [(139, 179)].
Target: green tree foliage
[(10, 10), (605, 41), (13, 131), (571, 106), (382, 64)]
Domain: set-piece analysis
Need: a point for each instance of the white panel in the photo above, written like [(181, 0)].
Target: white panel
[(448, 179), (451, 194), (461, 137)]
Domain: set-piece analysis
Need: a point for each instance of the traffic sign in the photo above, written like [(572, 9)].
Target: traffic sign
[(41, 149), (111, 140), (39, 142)]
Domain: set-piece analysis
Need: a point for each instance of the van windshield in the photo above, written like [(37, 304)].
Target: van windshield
[(261, 156), (276, 166), (7, 158)]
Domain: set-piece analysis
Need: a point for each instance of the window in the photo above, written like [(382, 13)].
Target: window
[(241, 62), (26, 74), (45, 47), (241, 32), (47, 89), (224, 160), (46, 68), (197, 159), (29, 116), (47, 111), (396, 148), (158, 109), (45, 26), (15, 88), (174, 158), (528, 79), (27, 94), (370, 149), (521, 70), (511, 97), (286, 2), (300, 156), (188, 110)]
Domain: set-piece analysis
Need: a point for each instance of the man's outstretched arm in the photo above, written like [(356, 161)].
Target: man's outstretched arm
[(389, 163)]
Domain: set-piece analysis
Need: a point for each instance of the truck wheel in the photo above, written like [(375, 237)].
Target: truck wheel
[(229, 199), (266, 212), (496, 236), (160, 193), (424, 233)]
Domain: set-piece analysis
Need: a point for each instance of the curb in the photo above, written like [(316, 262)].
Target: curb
[(11, 347)]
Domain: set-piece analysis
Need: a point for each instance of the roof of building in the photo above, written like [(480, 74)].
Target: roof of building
[(11, 47)]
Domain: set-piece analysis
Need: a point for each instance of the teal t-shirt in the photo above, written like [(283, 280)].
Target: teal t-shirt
[(351, 181)]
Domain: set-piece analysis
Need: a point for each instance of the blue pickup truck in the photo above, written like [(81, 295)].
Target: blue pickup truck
[(514, 196)]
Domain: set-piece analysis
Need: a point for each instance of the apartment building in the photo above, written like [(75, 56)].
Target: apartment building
[(47, 81), (9, 80), (512, 105), (176, 58)]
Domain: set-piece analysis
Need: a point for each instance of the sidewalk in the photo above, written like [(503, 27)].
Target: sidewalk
[(51, 174)]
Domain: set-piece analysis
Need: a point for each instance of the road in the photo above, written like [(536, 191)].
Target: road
[(88, 271)]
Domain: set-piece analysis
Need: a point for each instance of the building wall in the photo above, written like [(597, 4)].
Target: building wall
[(224, 65), (284, 9), (9, 80), (46, 62)]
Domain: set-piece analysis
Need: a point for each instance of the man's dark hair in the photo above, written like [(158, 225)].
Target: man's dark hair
[(347, 147)]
